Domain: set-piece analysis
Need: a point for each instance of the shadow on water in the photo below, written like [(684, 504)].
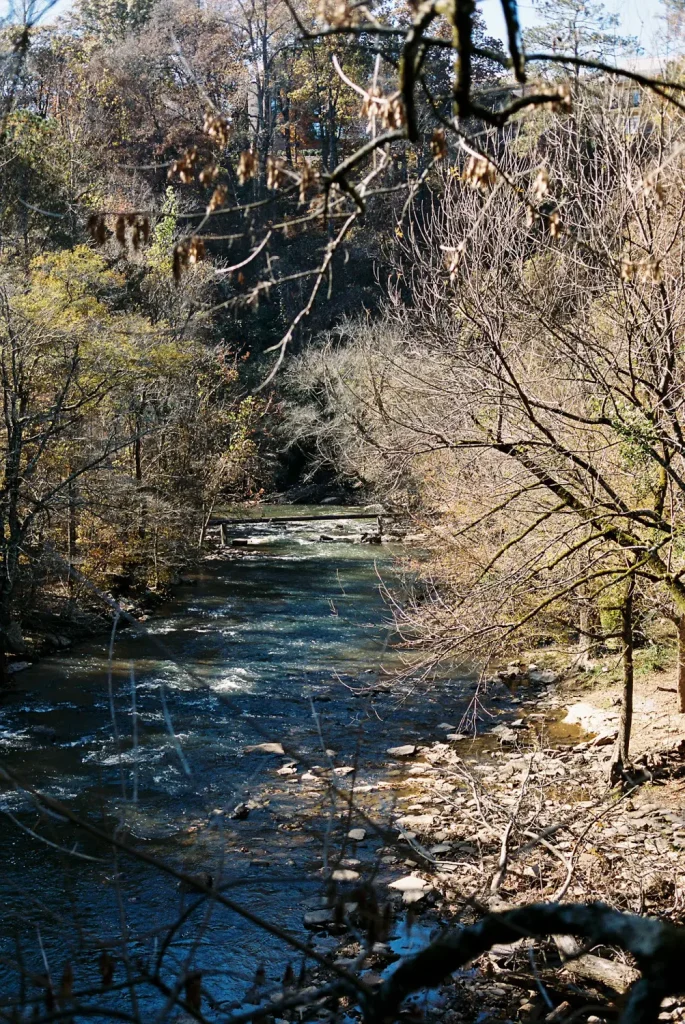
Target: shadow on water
[(288, 625)]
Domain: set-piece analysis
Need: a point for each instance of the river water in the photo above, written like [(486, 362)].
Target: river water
[(272, 644)]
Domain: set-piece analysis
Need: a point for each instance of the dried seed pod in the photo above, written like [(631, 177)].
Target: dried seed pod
[(540, 186), (337, 13), (216, 127), (275, 176), (479, 173), (196, 250), (650, 271), (184, 167), (97, 228), (307, 178), (193, 990), (288, 976), (120, 230), (106, 965), (555, 226), (218, 198), (565, 100), (180, 260), (628, 270), (208, 174), (393, 113), (653, 189), (66, 987), (247, 166), (439, 144)]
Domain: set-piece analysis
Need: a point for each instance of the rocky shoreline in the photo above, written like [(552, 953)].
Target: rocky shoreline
[(521, 814)]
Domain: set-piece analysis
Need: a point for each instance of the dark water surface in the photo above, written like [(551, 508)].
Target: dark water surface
[(269, 645)]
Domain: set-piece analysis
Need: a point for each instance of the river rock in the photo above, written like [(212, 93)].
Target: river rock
[(357, 835), (504, 734), (412, 887), (456, 737), (408, 750), (265, 748), (546, 676), (590, 718), (345, 875), (446, 727), (316, 918), (17, 666)]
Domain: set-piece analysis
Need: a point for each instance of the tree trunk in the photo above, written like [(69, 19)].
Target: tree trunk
[(621, 757), (681, 664), (71, 547)]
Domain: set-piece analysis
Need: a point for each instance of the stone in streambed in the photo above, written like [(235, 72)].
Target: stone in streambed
[(316, 918), (265, 748), (412, 887), (407, 750), (345, 875), (358, 835)]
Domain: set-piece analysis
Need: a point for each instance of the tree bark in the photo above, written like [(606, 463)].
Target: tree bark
[(681, 664), (621, 757)]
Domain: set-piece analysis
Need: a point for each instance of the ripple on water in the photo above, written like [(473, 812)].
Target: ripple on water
[(238, 680)]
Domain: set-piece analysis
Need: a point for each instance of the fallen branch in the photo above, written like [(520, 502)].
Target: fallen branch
[(658, 947)]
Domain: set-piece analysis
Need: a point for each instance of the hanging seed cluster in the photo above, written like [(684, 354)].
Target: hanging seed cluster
[(186, 254), (133, 227)]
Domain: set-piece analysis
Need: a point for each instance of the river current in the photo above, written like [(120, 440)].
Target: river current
[(274, 644)]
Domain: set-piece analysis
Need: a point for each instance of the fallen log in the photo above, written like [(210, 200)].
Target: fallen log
[(617, 976)]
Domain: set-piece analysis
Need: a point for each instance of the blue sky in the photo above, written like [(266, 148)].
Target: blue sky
[(638, 17)]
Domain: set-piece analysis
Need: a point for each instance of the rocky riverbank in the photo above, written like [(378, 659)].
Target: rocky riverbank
[(522, 813)]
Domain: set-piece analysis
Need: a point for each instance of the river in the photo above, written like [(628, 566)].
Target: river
[(271, 644)]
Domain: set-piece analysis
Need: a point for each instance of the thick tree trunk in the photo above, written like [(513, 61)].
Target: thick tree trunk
[(621, 757)]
